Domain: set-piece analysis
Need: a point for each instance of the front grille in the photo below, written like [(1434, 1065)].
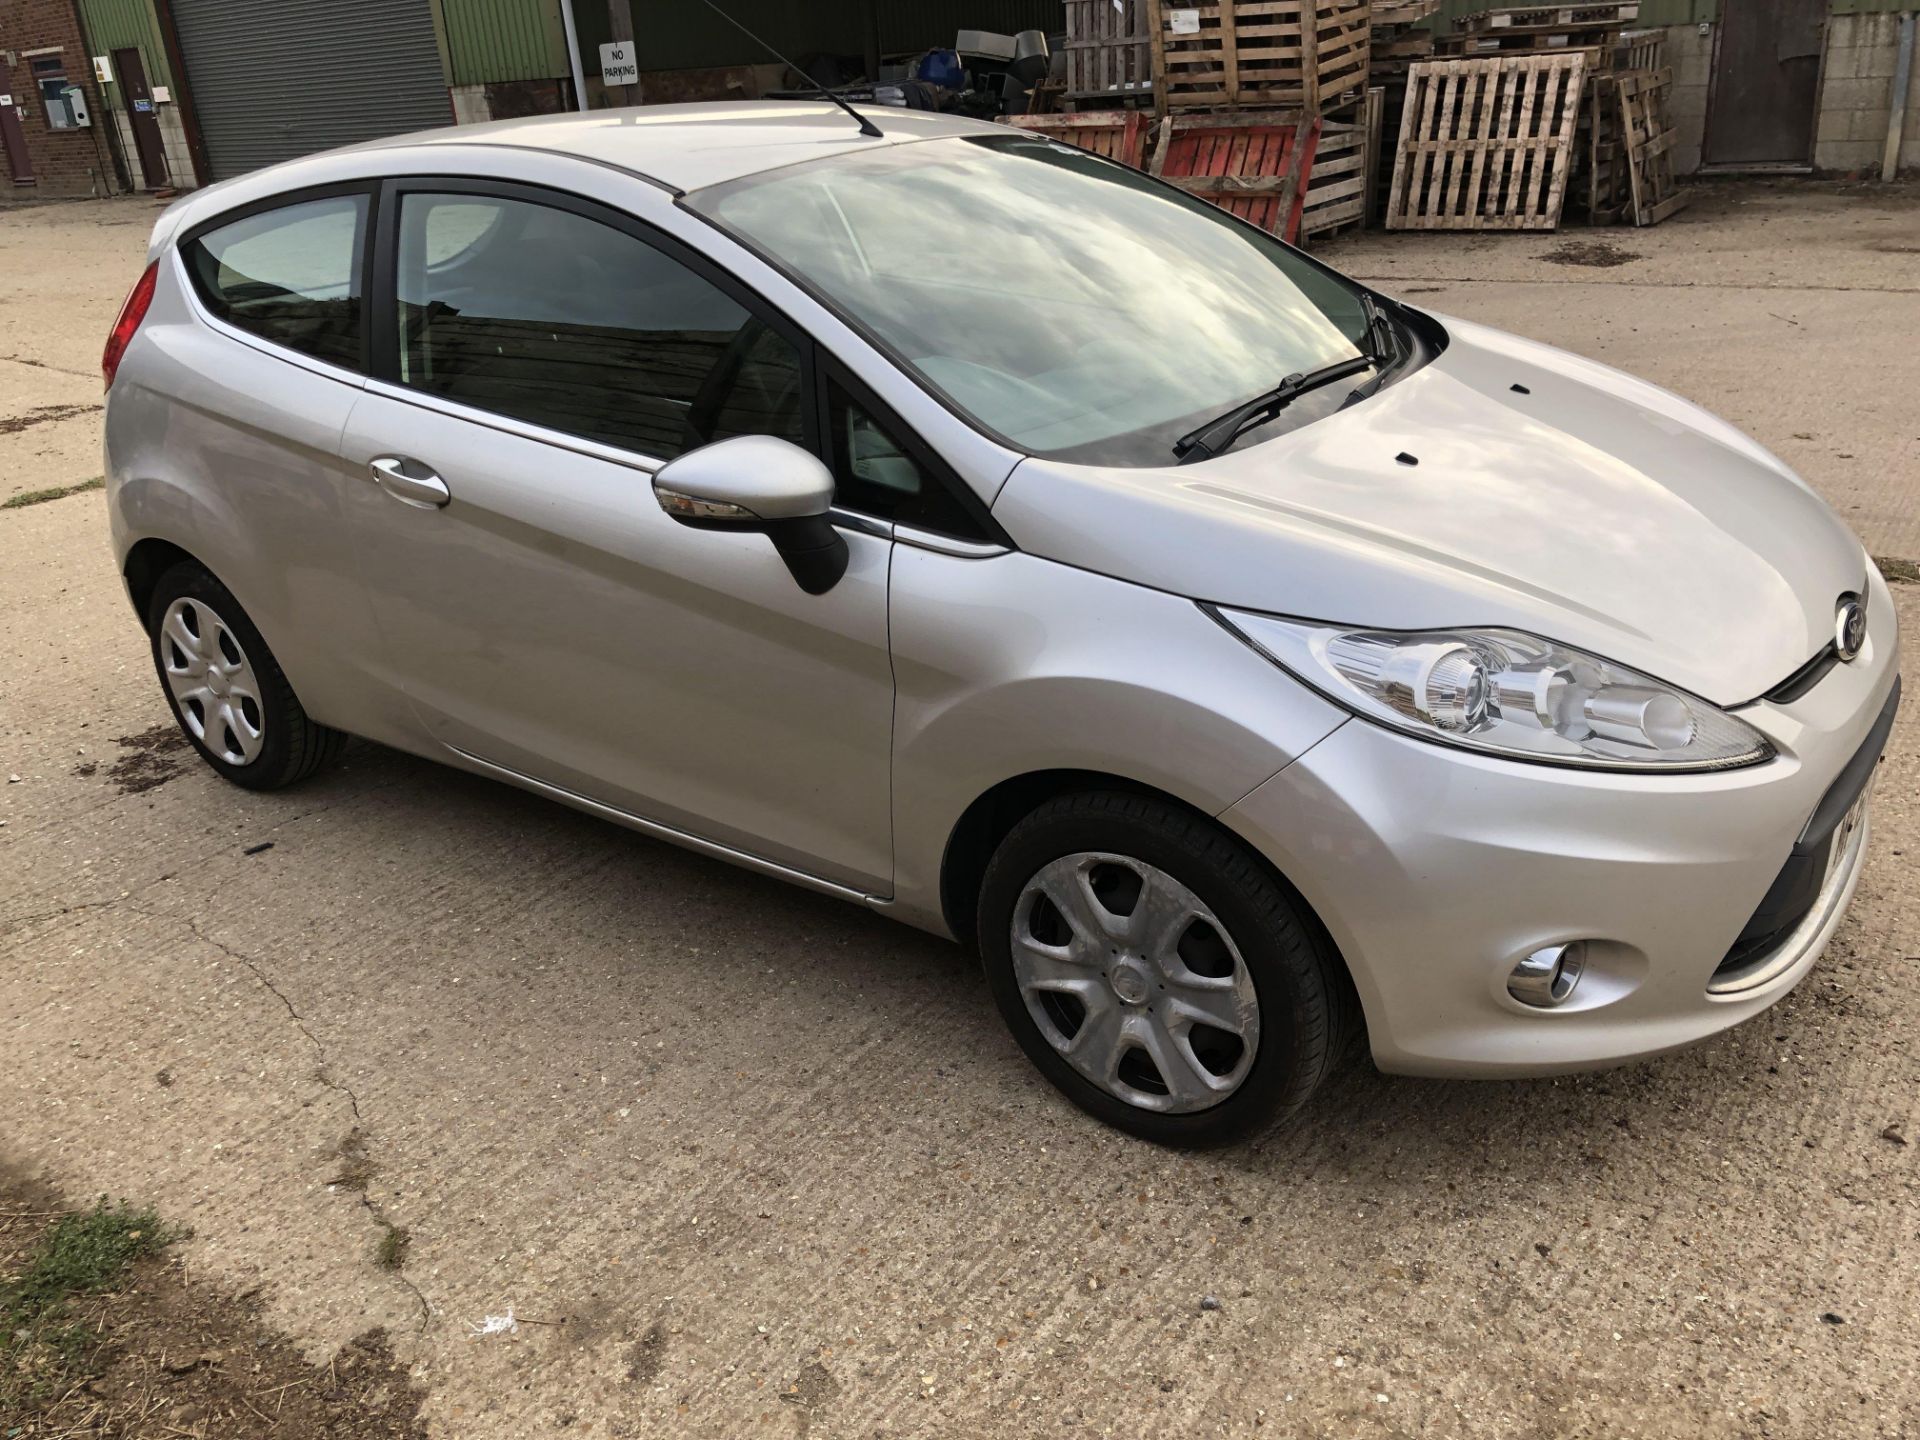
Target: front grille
[(1815, 670), (1805, 678)]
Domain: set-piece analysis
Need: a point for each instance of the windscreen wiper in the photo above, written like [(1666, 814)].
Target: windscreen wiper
[(1382, 343), (1216, 435)]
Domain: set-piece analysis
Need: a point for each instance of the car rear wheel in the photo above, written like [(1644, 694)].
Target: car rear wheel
[(228, 693), (1155, 970)]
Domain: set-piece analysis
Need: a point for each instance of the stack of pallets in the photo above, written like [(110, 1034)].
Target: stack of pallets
[(1530, 30), (1402, 34), (1262, 106), (1562, 91), (1309, 55), (1602, 185)]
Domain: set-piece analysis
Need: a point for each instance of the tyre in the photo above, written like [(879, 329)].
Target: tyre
[(1156, 971), (228, 693)]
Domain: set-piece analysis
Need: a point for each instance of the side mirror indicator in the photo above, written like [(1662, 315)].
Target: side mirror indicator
[(765, 484), (696, 511)]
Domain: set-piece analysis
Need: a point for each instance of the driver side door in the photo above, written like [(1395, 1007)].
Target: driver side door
[(536, 359)]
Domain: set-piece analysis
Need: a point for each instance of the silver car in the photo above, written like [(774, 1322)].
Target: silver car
[(985, 533)]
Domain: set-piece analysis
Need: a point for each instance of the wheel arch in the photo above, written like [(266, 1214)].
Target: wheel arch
[(986, 822), (146, 562)]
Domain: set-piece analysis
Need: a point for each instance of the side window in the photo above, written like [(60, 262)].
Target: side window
[(535, 312), (877, 472), (290, 275)]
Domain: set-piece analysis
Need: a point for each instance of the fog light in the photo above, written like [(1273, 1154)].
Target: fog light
[(1546, 977)]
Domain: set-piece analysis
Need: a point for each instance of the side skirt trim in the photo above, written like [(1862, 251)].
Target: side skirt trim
[(682, 838)]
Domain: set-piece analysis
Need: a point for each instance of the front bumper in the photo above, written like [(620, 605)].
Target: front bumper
[(1435, 870)]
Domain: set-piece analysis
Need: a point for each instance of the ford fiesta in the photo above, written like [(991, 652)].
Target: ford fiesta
[(985, 533)]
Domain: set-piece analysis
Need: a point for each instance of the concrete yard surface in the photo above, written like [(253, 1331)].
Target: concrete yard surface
[(741, 1160)]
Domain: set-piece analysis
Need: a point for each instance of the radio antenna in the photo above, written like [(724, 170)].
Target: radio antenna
[(867, 127)]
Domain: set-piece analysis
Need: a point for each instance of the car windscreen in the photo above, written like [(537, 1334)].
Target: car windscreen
[(1068, 305)]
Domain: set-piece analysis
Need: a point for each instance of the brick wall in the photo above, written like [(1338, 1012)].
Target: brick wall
[(1856, 97), (65, 162)]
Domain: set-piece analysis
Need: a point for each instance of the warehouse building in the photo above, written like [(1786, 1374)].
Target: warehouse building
[(50, 105), (186, 92), (208, 89)]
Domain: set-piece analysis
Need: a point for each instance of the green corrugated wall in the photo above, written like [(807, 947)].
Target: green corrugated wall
[(507, 39), (685, 35), (1652, 12), (1679, 12), (116, 24)]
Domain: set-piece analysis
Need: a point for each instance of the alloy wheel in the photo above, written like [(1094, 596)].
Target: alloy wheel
[(1135, 982), (212, 681)]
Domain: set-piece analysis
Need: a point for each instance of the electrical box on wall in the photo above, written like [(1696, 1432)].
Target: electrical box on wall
[(77, 107)]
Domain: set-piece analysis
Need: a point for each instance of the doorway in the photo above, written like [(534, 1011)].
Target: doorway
[(18, 161), (138, 99), (1766, 83)]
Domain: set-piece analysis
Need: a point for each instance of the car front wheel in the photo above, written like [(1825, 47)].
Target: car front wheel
[(1155, 970)]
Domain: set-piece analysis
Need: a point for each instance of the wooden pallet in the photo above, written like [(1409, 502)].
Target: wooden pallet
[(1486, 144), (1604, 179), (1109, 52), (1598, 43), (1306, 55), (1643, 50), (1257, 166), (1394, 13), (1339, 188), (1649, 145), (1117, 134), (1392, 54), (1551, 17)]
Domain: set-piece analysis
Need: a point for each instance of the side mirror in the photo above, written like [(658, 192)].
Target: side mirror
[(764, 484)]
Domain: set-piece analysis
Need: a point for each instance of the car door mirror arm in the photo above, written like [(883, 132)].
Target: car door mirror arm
[(764, 484)]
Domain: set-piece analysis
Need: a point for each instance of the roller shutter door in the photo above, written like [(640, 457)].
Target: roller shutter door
[(272, 80)]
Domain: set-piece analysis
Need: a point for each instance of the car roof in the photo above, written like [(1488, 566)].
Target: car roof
[(686, 147), (682, 147)]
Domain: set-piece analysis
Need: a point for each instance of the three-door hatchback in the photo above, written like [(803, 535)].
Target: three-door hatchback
[(981, 531)]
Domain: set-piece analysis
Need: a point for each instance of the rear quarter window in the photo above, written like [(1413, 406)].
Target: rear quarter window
[(291, 275)]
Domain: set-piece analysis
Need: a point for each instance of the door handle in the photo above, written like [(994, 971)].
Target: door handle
[(410, 482)]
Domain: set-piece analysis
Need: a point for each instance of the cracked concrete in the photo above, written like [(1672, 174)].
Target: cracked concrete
[(323, 1074), (746, 1162)]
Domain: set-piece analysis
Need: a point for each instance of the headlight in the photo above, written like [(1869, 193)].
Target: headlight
[(1506, 693)]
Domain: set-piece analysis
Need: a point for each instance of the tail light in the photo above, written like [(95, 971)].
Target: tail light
[(131, 314)]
